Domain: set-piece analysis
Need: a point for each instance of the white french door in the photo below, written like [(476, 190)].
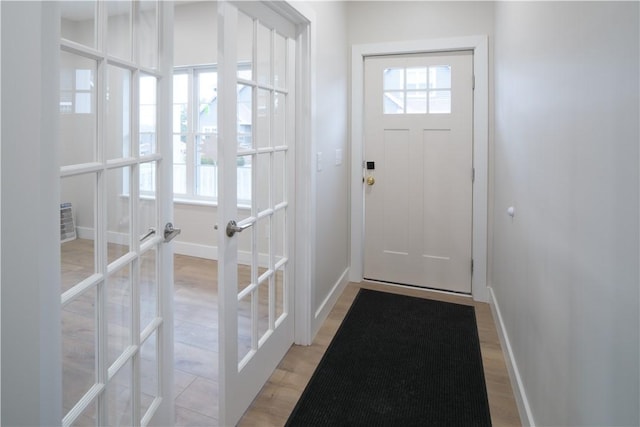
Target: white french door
[(418, 129), (256, 151), (116, 194)]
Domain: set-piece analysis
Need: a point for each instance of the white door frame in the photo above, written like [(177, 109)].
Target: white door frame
[(479, 46)]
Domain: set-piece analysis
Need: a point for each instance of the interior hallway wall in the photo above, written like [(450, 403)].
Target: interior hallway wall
[(565, 268), (330, 134)]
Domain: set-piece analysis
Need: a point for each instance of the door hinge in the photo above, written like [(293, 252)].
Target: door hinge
[(473, 174), (471, 266), (473, 82)]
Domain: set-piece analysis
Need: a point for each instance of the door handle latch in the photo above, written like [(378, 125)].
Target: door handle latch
[(149, 233), (170, 232), (233, 227)]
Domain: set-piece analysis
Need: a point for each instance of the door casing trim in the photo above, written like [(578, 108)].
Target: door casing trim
[(480, 47)]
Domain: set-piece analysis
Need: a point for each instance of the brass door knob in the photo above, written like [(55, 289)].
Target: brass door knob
[(371, 180)]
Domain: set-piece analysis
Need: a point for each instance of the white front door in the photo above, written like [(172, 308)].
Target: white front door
[(116, 201), (256, 154), (418, 170)]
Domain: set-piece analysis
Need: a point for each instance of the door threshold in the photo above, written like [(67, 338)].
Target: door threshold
[(419, 289)]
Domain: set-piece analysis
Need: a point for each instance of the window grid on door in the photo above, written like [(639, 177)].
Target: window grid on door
[(108, 272), (417, 90), (263, 301)]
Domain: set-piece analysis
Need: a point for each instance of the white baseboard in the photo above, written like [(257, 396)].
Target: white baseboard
[(195, 250), (112, 236), (323, 309), (181, 248), (526, 417)]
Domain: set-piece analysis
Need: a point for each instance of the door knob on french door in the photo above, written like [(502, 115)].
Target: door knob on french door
[(233, 227), (371, 180), (170, 232)]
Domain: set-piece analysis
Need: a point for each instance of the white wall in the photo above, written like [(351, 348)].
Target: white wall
[(330, 134), (385, 21), (565, 268), (195, 33), (31, 373)]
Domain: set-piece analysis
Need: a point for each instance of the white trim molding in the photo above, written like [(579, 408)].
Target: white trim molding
[(329, 302), (480, 47), (305, 188), (517, 384)]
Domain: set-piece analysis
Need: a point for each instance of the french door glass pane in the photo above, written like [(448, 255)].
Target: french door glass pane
[(147, 213), (279, 167), (279, 119), (148, 373), (279, 61), (119, 309), (79, 341), (120, 397), (263, 190), (148, 114), (118, 213), (147, 178), (245, 317), (263, 122), (263, 51), (148, 288), (263, 244), (77, 259), (118, 128), (245, 46), (78, 21), (280, 253), (263, 307), (279, 287), (245, 240), (78, 100), (245, 117), (244, 180), (279, 233), (119, 29), (147, 34)]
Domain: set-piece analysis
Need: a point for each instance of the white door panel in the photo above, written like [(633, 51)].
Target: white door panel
[(256, 152), (116, 197), (418, 133)]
